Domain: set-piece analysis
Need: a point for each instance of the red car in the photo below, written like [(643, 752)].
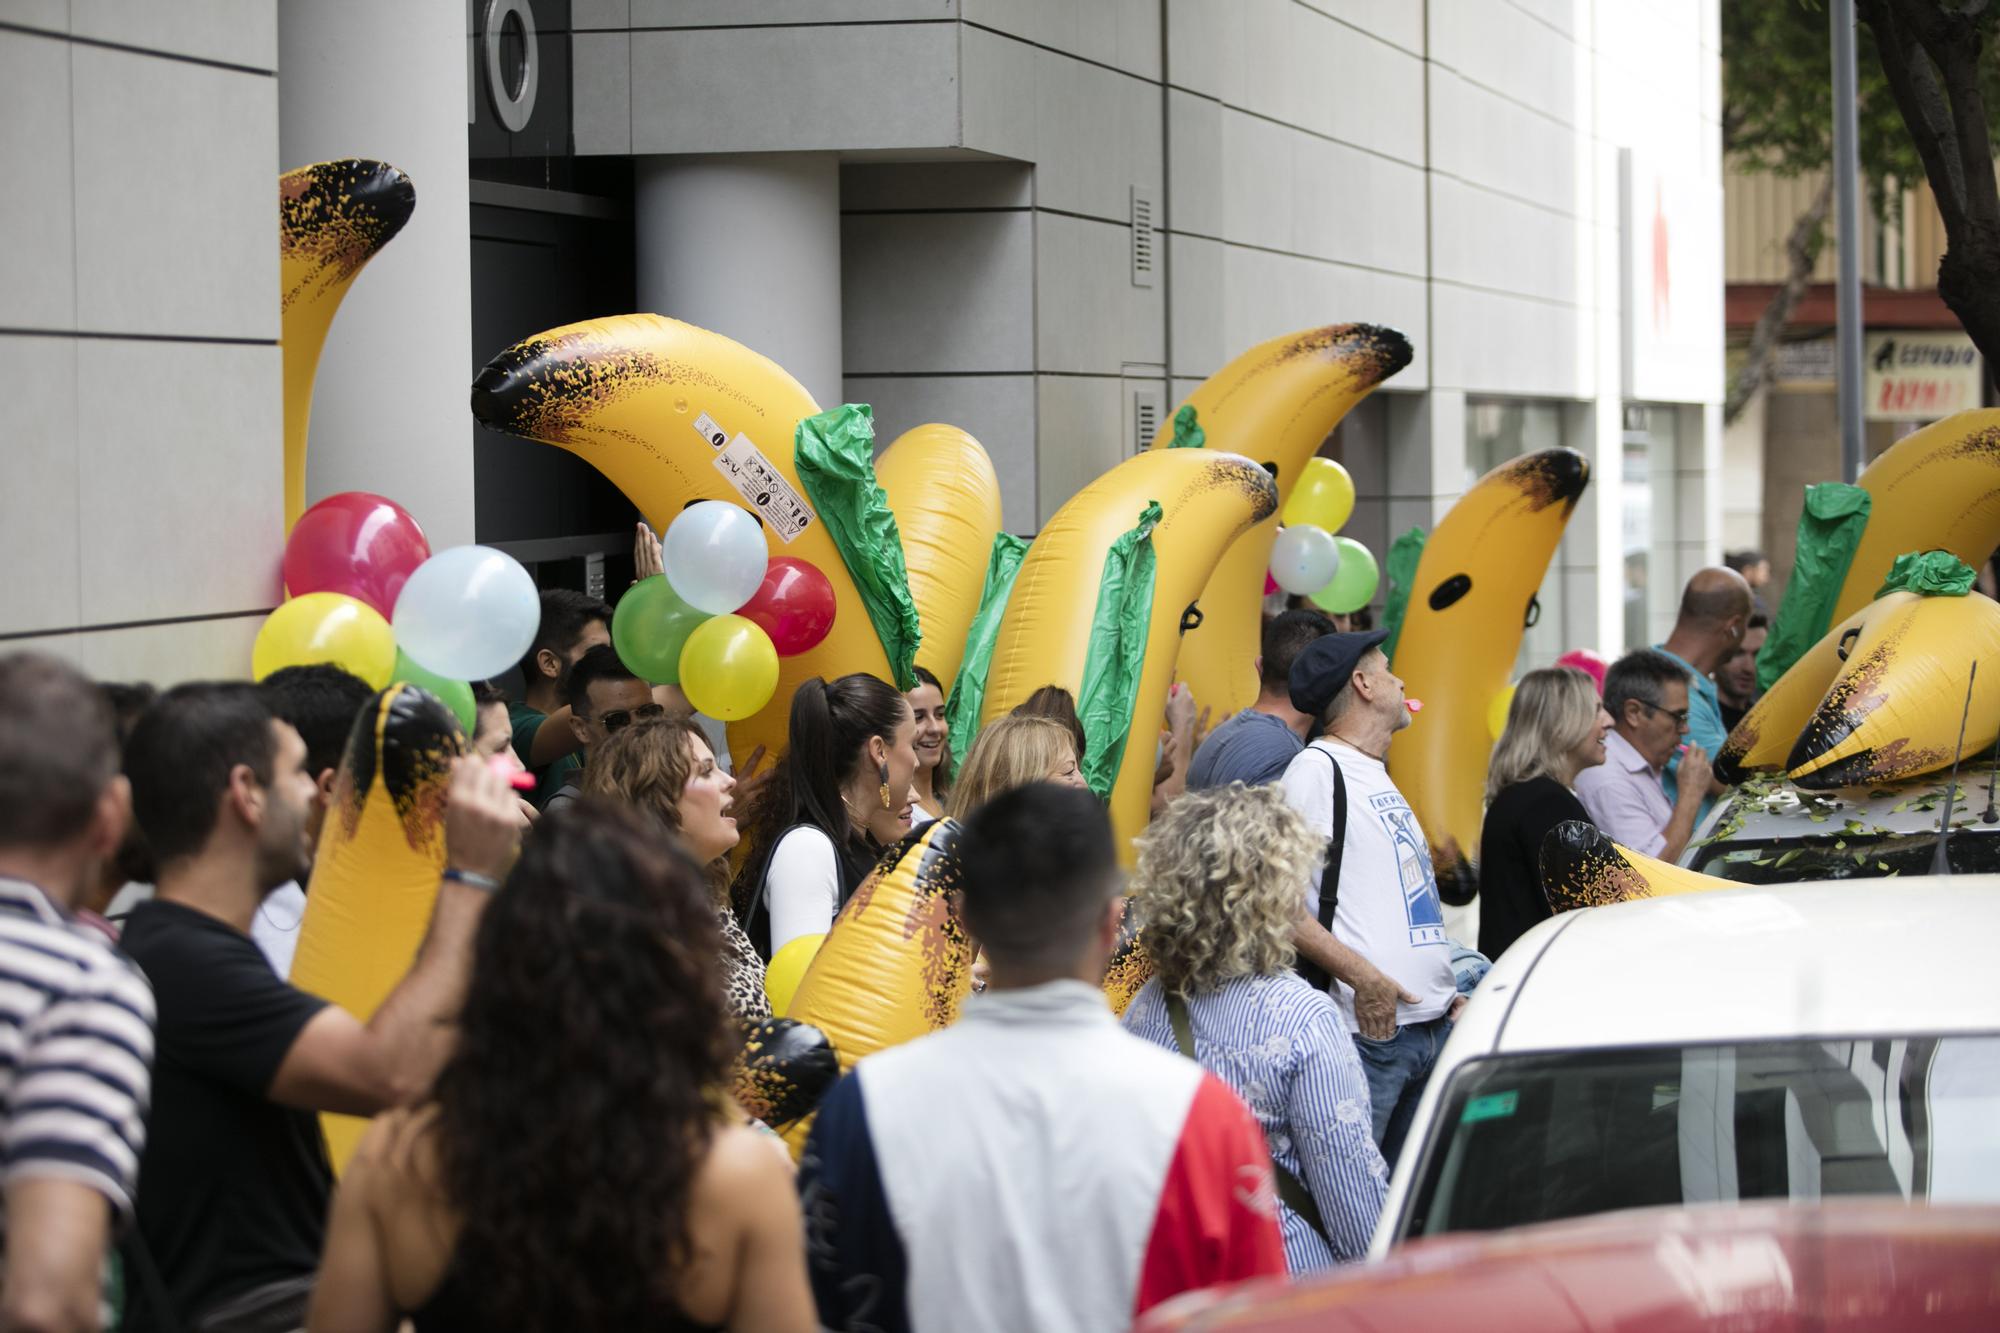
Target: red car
[(1851, 1267)]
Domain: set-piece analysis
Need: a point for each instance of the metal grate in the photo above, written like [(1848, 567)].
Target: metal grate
[(1143, 239), (1147, 407)]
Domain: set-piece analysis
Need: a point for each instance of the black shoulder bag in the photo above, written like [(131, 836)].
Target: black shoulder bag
[(1329, 878), (1290, 1188)]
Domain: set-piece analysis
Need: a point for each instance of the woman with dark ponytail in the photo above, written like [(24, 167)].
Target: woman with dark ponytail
[(840, 793), (575, 1166)]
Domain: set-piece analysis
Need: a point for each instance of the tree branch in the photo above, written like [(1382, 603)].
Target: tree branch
[(1802, 249), (1913, 83), (1958, 64)]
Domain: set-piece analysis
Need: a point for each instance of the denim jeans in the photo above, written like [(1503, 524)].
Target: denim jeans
[(1397, 1069)]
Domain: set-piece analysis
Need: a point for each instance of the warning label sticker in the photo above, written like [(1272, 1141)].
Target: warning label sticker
[(709, 431), (761, 484)]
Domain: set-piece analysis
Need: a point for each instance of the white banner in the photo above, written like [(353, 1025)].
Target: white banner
[(1919, 376)]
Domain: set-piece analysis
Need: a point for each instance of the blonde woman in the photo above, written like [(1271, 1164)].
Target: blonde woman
[(1217, 894), (1555, 729), (1012, 752)]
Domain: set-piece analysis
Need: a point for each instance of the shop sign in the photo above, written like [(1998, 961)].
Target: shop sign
[(1919, 376)]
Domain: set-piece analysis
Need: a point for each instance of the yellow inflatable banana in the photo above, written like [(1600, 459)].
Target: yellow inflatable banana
[(670, 414), (896, 963), (1894, 711), (786, 1067), (1583, 868), (375, 878), (1129, 970), (1469, 604), (1207, 500), (332, 218), (946, 497), (1763, 740), (1936, 489), (1275, 404)]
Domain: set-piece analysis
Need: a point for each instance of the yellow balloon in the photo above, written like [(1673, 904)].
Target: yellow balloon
[(326, 627), (729, 667), (1496, 711), (787, 969), (1323, 497)]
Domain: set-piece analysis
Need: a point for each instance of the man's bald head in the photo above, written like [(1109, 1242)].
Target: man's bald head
[(1714, 598)]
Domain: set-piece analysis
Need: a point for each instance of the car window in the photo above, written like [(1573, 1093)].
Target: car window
[(1852, 856), (1535, 1138)]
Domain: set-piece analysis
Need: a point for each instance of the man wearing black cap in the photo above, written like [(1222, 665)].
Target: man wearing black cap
[(1383, 940)]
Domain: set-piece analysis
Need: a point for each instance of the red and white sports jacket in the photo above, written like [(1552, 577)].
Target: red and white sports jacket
[(1032, 1168)]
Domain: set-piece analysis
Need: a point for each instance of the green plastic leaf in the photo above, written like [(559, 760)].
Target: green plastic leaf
[(1788, 858), (968, 689), (1830, 529), (835, 456), (1929, 574), (1401, 566), (1188, 433), (1117, 650)]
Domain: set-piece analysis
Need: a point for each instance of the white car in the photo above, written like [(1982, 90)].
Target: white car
[(1799, 1041)]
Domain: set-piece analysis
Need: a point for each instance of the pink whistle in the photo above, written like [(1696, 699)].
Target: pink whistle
[(520, 779), (1414, 705)]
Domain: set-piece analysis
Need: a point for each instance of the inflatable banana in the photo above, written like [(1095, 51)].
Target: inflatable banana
[(381, 852), (332, 219), (787, 1066), (670, 414), (1275, 404), (1583, 868), (1207, 500), (946, 498), (896, 963), (1895, 709), (1129, 970), (1763, 740), (1936, 489), (1473, 597)]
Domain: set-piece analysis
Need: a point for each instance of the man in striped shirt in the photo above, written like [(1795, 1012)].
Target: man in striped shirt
[(76, 1020)]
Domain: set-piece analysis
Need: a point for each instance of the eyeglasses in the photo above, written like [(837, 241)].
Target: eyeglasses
[(618, 718), (1679, 715)]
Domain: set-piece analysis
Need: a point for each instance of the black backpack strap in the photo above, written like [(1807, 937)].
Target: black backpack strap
[(1290, 1188), (1329, 878)]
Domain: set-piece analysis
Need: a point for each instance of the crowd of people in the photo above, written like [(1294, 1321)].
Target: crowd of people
[(553, 1143)]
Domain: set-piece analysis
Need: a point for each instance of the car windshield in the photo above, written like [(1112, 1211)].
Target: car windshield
[(1534, 1138), (1852, 856)]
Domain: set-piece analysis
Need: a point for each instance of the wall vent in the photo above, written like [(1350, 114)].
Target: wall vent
[(1143, 239), (1148, 406)]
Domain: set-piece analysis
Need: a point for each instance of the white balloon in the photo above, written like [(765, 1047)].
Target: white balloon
[(1304, 560), (714, 556), (467, 613)]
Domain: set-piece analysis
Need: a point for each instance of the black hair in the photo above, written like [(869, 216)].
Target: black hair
[(941, 775), (600, 663), (181, 754), (829, 730), (1038, 864), (590, 1047), (58, 750), (1642, 675), (1053, 701), (1742, 560), (1757, 620), (485, 694), (1285, 637), (566, 613), (321, 702)]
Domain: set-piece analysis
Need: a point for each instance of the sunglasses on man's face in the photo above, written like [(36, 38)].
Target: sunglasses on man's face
[(618, 718)]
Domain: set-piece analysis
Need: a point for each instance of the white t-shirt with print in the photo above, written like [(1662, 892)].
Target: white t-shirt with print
[(1388, 911)]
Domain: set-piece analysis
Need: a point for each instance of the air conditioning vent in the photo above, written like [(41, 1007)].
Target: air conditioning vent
[(1143, 239), (1148, 405)]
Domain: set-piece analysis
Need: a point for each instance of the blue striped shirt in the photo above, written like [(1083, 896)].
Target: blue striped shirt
[(1285, 1050), (76, 1051)]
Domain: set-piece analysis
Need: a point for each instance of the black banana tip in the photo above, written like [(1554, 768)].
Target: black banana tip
[(1390, 345)]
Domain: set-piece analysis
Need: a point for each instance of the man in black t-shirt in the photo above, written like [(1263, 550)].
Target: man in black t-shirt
[(234, 1183)]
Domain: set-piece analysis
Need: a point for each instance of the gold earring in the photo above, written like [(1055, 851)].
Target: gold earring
[(885, 786)]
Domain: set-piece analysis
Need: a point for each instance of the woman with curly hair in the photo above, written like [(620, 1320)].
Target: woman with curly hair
[(663, 767), (574, 1167), (1217, 893)]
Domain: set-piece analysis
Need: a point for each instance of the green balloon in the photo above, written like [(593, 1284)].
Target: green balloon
[(649, 628), (455, 694), (1354, 583)]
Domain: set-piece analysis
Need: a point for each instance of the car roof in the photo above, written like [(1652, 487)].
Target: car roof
[(1776, 810), (1847, 958)]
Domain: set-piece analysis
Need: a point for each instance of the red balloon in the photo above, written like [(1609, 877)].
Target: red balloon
[(1588, 662), (794, 605), (355, 543)]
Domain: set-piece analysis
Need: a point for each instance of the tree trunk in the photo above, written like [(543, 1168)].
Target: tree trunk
[(1802, 250)]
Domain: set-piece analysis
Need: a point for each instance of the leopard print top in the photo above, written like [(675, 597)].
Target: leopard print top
[(742, 972)]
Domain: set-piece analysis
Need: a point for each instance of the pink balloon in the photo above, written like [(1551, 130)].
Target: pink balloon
[(355, 543), (1270, 584), (1589, 663), (794, 605)]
